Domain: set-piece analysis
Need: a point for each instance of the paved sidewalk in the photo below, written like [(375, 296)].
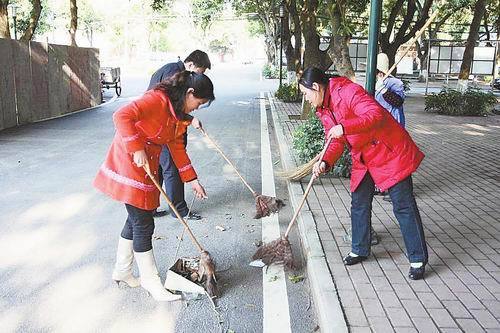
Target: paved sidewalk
[(458, 193)]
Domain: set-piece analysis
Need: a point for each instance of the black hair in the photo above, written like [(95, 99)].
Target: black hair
[(314, 74), (199, 59), (176, 88)]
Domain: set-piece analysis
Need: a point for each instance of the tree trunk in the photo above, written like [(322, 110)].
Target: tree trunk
[(338, 49), (4, 19), (313, 56), (405, 31), (269, 40), (465, 68), (293, 51), (34, 17), (74, 22)]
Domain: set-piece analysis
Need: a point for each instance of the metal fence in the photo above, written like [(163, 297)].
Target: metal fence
[(42, 81)]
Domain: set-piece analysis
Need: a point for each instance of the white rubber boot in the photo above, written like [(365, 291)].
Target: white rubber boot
[(150, 280), (123, 266)]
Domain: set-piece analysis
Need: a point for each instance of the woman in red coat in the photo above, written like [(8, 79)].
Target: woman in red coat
[(159, 117), (383, 154)]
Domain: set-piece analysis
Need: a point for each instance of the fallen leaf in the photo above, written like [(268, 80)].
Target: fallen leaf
[(295, 278), (220, 228), (273, 278)]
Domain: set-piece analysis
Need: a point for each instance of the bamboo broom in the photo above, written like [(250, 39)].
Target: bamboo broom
[(279, 251)]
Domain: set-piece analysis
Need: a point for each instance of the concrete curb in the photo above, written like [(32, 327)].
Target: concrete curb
[(78, 111), (330, 314)]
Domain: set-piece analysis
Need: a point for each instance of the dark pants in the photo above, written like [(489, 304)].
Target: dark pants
[(406, 212), (139, 227), (174, 187)]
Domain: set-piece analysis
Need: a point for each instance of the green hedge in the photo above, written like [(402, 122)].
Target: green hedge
[(308, 140), (472, 102), (288, 93)]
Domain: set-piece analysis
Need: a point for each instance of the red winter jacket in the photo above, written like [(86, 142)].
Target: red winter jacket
[(146, 123), (378, 144)]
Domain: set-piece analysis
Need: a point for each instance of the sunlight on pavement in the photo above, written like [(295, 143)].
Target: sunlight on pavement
[(473, 133), (56, 210), (77, 301), (161, 320)]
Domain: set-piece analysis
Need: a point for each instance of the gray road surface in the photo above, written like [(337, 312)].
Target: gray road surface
[(59, 235)]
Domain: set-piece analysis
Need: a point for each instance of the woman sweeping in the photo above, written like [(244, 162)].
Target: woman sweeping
[(383, 154), (159, 117)]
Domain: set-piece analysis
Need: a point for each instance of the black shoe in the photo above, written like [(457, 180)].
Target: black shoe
[(349, 260), (191, 216), (159, 213), (416, 273)]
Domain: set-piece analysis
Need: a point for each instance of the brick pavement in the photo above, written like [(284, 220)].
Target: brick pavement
[(458, 193)]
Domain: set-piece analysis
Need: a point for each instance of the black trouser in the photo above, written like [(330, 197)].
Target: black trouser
[(139, 227), (169, 174)]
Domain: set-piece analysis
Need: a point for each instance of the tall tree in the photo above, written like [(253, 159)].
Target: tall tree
[(266, 12), (73, 9), (292, 29), (4, 19), (338, 49), (465, 68), (33, 21), (313, 56), (403, 19)]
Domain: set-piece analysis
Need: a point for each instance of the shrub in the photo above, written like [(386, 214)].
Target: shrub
[(272, 72), (406, 85), (472, 102), (308, 140), (288, 93)]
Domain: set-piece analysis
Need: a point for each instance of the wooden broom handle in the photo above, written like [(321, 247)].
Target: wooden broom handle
[(308, 188), (195, 241), (418, 34), (228, 161)]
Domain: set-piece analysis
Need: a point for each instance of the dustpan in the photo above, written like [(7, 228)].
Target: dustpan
[(179, 277)]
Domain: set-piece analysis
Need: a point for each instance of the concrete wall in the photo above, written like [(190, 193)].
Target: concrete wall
[(41, 81)]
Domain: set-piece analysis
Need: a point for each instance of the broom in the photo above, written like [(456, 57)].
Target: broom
[(303, 170), (264, 205), (279, 251), (207, 265)]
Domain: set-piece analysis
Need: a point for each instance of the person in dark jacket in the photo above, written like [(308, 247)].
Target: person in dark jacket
[(198, 62), (383, 154)]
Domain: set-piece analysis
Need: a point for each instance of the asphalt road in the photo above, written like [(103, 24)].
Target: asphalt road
[(59, 235)]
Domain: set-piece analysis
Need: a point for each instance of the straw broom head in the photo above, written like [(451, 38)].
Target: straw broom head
[(299, 172)]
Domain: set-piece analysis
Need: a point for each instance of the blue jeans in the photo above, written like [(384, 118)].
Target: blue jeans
[(139, 228), (406, 212)]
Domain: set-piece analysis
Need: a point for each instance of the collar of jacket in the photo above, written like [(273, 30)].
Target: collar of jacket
[(186, 119)]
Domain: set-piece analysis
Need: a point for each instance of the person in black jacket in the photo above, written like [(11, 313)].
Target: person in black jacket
[(198, 61)]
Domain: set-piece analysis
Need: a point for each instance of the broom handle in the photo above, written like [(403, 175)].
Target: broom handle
[(308, 188), (195, 241), (418, 34), (228, 161)]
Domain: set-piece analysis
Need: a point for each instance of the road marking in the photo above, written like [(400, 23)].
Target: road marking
[(275, 298)]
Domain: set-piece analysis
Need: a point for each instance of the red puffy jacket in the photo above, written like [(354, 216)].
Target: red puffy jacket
[(145, 124), (378, 144)]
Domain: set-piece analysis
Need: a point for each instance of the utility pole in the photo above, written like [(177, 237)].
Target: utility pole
[(371, 59)]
